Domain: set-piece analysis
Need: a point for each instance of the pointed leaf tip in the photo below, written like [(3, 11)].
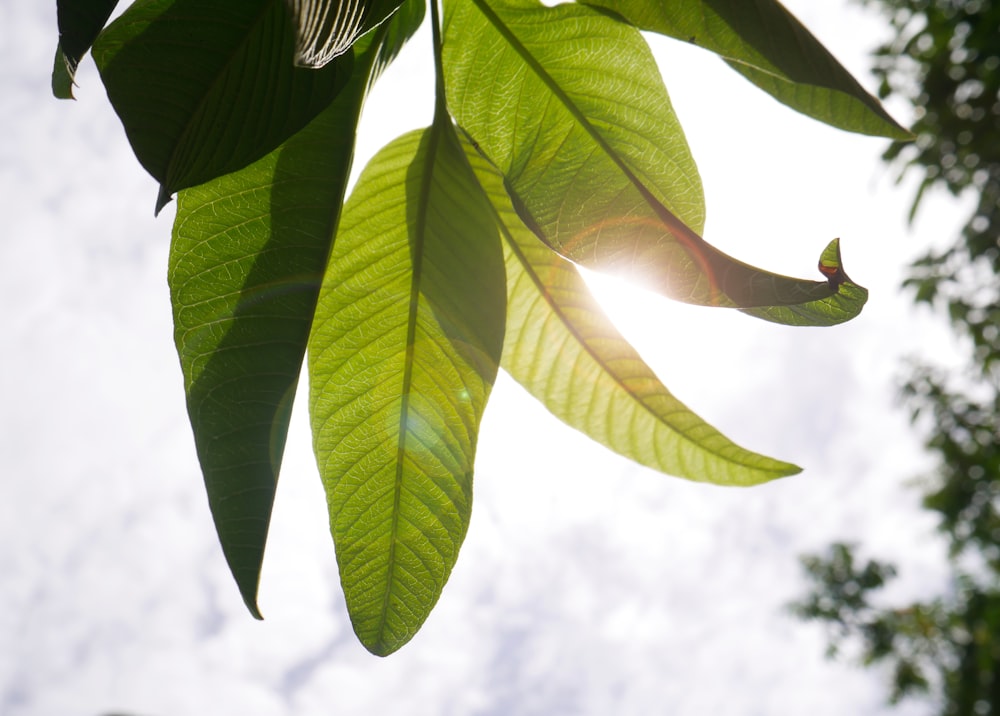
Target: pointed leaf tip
[(80, 22), (162, 199), (765, 43), (831, 266)]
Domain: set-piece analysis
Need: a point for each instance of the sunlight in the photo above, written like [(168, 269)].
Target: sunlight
[(689, 347)]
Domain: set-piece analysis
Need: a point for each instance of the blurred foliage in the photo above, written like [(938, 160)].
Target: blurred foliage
[(944, 59)]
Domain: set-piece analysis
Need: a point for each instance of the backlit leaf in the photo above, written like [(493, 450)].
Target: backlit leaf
[(80, 22), (403, 353), (764, 42), (62, 79), (563, 349), (569, 105)]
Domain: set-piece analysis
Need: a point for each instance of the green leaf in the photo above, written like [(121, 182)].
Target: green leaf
[(248, 253), (205, 87), (563, 349), (542, 90), (843, 304), (326, 29), (570, 106), (404, 350), (62, 78), (80, 22), (762, 41)]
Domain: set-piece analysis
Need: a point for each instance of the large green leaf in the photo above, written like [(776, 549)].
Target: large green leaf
[(325, 29), (247, 257), (563, 349), (80, 22), (766, 44), (404, 350), (205, 87), (569, 105)]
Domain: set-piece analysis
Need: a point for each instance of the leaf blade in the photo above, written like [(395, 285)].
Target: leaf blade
[(402, 356), (765, 43), (569, 105), (247, 256), (80, 22), (554, 322)]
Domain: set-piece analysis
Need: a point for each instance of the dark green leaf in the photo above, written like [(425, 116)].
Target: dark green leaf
[(205, 87), (80, 22), (569, 105), (404, 350), (766, 44), (247, 257), (563, 349)]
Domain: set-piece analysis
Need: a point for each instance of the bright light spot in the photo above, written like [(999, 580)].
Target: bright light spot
[(689, 347)]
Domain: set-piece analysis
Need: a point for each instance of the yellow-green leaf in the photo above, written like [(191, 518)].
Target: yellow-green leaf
[(563, 349), (403, 353), (569, 105)]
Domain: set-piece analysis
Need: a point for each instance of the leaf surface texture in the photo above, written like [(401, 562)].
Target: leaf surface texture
[(80, 22), (403, 353), (247, 259)]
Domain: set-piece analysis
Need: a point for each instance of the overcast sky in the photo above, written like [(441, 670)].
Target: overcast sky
[(586, 585)]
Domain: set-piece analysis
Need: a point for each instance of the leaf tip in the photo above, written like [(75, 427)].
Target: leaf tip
[(900, 133), (775, 470), (162, 199), (382, 649), (791, 469), (63, 72), (251, 603), (831, 265)]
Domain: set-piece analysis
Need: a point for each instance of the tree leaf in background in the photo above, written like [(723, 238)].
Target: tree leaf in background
[(205, 87), (402, 356), (248, 254), (80, 22), (563, 349), (570, 106), (326, 29), (762, 41)]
